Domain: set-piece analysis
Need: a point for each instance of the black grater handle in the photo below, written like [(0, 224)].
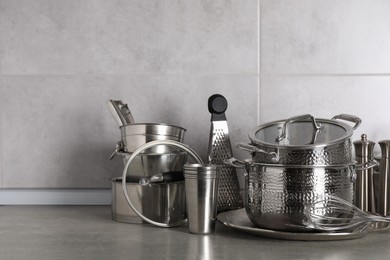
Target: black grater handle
[(217, 106)]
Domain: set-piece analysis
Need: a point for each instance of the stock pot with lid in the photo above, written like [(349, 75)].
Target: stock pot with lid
[(276, 195), (295, 162), (303, 140)]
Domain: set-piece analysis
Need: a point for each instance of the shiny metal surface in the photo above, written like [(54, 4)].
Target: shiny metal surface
[(201, 183), (149, 164), (336, 154), (384, 179), (345, 215), (138, 151), (304, 144), (364, 185), (238, 219), (135, 135), (219, 149), (276, 195), (156, 159), (162, 202)]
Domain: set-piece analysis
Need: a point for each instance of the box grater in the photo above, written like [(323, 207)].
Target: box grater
[(219, 150)]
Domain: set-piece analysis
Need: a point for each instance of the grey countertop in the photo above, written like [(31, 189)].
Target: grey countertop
[(87, 232)]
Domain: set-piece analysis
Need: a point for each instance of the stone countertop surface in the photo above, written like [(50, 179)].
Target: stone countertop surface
[(88, 232)]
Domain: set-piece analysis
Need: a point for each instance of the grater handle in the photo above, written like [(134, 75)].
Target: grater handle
[(217, 106)]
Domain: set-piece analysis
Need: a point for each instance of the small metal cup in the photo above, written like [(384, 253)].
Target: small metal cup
[(201, 185)]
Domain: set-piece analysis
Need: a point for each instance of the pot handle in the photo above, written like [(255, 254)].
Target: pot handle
[(316, 126), (366, 166), (362, 167), (118, 150), (235, 163), (349, 118), (254, 149)]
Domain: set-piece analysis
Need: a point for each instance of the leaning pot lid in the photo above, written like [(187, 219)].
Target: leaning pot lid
[(302, 133)]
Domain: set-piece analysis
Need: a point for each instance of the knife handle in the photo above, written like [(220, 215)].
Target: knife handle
[(217, 106)]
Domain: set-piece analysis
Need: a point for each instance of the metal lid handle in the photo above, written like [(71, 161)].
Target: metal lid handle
[(316, 126)]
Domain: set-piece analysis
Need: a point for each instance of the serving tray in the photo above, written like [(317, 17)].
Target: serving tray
[(238, 219)]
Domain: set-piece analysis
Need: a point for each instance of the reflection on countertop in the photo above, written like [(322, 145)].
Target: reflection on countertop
[(88, 232)]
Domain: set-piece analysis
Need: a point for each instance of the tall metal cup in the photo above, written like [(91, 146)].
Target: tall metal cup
[(201, 185)]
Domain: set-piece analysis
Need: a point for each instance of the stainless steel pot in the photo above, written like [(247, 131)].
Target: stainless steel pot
[(276, 195), (161, 158), (303, 140), (161, 202), (135, 135)]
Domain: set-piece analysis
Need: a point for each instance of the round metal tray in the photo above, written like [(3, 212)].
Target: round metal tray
[(237, 219)]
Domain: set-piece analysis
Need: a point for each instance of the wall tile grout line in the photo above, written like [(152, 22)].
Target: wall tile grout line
[(1, 129), (1, 104), (326, 74)]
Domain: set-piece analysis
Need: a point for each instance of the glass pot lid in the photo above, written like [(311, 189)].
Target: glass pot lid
[(304, 132)]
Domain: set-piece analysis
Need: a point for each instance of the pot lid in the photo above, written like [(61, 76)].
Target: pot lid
[(304, 132)]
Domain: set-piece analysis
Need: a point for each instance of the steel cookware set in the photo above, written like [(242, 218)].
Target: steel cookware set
[(142, 194), (296, 167), (155, 189), (295, 162)]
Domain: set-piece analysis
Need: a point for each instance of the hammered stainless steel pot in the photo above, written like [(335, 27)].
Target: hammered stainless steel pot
[(276, 195), (303, 140)]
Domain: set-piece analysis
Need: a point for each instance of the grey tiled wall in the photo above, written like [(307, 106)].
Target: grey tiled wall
[(61, 61)]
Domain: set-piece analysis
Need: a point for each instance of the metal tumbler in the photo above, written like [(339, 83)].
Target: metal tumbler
[(201, 185)]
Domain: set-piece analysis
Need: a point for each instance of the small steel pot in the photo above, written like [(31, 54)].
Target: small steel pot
[(135, 135), (303, 140), (276, 195), (161, 202)]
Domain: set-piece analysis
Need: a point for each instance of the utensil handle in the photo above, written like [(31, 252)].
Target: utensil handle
[(217, 105), (349, 118), (316, 126)]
